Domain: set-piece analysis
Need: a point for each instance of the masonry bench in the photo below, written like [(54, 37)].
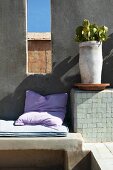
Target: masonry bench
[(33, 152), (73, 141)]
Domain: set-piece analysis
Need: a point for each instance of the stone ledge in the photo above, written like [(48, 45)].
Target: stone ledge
[(73, 142), (39, 36)]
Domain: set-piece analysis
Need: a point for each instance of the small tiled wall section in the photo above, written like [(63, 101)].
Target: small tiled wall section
[(92, 114)]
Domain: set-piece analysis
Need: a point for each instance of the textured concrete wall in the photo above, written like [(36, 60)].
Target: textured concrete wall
[(66, 16), (12, 55)]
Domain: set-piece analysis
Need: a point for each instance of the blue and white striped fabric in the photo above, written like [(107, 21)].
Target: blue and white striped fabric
[(8, 129)]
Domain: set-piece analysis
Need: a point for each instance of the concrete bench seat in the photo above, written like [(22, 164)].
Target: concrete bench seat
[(28, 152), (72, 142)]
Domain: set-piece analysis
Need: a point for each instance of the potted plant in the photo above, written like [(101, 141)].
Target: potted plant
[(90, 37)]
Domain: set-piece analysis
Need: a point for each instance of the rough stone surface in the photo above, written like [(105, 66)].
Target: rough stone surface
[(93, 114)]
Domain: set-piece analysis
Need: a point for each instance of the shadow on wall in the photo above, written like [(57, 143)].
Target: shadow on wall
[(108, 61), (61, 80)]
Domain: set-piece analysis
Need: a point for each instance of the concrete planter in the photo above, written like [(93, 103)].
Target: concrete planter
[(90, 61)]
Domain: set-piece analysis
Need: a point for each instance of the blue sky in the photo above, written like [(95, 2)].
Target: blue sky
[(39, 16)]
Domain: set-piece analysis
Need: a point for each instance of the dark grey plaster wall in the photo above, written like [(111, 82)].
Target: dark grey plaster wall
[(12, 54), (13, 79), (66, 16)]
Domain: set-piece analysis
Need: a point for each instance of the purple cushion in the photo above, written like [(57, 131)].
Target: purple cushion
[(45, 110), (40, 118), (49, 103)]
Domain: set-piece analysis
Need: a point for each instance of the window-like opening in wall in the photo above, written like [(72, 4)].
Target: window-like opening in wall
[(39, 59)]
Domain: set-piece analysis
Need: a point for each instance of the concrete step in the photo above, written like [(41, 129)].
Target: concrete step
[(101, 155)]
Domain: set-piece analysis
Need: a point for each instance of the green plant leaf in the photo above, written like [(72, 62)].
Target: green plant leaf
[(105, 28), (88, 32), (79, 30), (86, 23)]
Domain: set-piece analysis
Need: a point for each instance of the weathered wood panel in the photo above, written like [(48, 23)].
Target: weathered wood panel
[(39, 56)]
